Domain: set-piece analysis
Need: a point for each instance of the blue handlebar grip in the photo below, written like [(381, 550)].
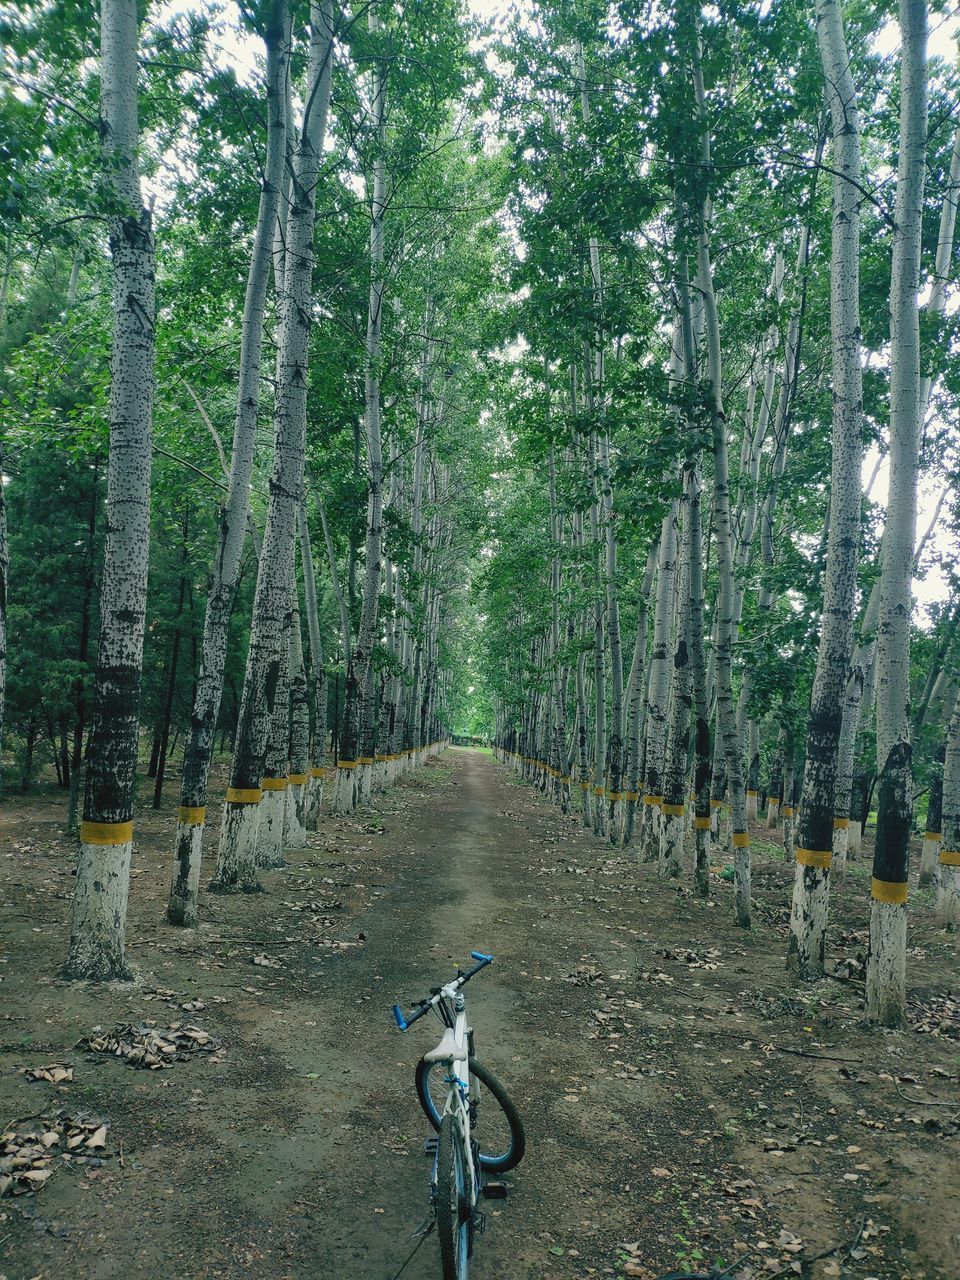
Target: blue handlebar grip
[(478, 955), (401, 1020)]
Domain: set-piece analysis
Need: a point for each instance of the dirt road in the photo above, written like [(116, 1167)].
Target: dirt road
[(678, 1100)]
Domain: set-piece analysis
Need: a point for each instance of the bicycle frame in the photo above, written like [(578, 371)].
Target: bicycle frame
[(464, 1091)]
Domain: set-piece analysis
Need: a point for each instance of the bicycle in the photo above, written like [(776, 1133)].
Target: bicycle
[(449, 1080)]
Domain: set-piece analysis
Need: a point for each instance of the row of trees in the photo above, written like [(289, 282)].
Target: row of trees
[(311, 272), (436, 369), (733, 230)]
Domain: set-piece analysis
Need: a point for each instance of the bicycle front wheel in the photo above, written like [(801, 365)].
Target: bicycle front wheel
[(454, 1215), (497, 1126)]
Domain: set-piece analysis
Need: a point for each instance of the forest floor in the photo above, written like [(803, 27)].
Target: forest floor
[(681, 1100)]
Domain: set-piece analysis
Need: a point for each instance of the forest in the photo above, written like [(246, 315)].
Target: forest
[(491, 474)]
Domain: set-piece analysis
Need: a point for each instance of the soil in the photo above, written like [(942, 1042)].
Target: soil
[(683, 1103)]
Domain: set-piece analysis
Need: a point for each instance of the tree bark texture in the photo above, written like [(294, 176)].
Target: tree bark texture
[(99, 911), (887, 953), (814, 851), (191, 818), (948, 891), (318, 672), (359, 745), (236, 861), (295, 824)]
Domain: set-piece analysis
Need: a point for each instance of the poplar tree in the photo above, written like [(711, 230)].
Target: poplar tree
[(98, 917), (191, 816), (887, 954), (814, 849)]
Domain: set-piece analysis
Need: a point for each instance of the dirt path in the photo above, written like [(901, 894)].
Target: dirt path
[(634, 1027)]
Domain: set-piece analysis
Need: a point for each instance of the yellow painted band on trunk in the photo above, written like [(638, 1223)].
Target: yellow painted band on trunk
[(632, 795), (841, 824), (787, 811), (701, 824), (187, 814), (673, 810), (346, 764), (318, 773), (273, 784), (364, 759), (740, 840), (933, 835), (716, 804), (244, 795), (584, 786), (891, 891), (614, 795), (106, 833), (653, 799), (753, 793), (297, 779), (565, 780), (818, 858), (950, 857), (598, 791)]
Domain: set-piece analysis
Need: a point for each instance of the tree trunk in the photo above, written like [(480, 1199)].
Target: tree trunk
[(358, 709), (814, 854), (933, 831), (636, 687), (318, 671), (236, 869), (275, 774), (99, 912), (673, 807), (726, 600), (185, 882), (86, 626), (658, 696), (171, 682), (887, 953), (948, 892), (295, 826)]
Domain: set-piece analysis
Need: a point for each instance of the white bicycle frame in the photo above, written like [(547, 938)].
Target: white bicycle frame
[(454, 1049), (463, 1090)]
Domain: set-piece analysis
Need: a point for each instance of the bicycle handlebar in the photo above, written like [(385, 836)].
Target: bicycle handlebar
[(406, 1020)]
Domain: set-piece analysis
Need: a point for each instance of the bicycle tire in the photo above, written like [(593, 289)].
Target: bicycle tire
[(490, 1161), (452, 1209)]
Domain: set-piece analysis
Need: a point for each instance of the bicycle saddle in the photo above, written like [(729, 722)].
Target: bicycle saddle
[(447, 1050)]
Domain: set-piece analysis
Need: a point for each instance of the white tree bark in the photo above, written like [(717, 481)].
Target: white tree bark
[(359, 728), (295, 821), (673, 806), (636, 687), (726, 710), (318, 671), (887, 954), (236, 862), (814, 854), (98, 918), (948, 891), (191, 817), (658, 688)]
